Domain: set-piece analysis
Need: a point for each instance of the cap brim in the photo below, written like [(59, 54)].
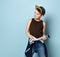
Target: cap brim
[(38, 7)]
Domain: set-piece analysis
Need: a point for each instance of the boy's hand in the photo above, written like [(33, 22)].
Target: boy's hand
[(31, 38), (44, 37)]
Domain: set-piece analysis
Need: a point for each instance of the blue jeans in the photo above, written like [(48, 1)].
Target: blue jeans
[(38, 47)]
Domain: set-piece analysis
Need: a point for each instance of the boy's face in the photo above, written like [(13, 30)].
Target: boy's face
[(37, 15)]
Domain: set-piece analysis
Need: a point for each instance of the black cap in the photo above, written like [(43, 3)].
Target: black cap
[(43, 10)]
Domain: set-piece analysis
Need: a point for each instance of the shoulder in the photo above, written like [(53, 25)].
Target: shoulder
[(29, 20), (44, 24)]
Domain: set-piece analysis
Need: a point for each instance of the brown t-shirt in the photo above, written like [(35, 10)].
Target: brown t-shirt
[(36, 28)]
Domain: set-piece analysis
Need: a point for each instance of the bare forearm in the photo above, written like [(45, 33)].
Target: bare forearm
[(29, 35)]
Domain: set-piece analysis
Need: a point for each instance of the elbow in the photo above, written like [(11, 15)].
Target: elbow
[(26, 32)]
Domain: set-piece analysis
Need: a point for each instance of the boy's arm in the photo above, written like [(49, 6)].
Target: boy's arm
[(44, 27), (27, 29)]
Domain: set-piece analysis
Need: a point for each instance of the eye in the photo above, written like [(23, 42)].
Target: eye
[(37, 13)]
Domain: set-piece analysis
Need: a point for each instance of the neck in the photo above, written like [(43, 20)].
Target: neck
[(37, 19)]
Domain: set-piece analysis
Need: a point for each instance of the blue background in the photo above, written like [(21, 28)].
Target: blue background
[(14, 15)]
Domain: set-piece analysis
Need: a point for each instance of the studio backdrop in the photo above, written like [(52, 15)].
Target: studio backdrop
[(14, 15)]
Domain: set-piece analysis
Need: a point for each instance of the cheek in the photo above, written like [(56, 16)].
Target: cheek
[(35, 15), (38, 15)]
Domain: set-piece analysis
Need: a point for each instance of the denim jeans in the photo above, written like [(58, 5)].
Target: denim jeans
[(38, 47)]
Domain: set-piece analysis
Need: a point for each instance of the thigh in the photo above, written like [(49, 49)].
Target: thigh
[(41, 50), (33, 50)]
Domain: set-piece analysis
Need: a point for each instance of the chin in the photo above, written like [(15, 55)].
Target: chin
[(35, 17)]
